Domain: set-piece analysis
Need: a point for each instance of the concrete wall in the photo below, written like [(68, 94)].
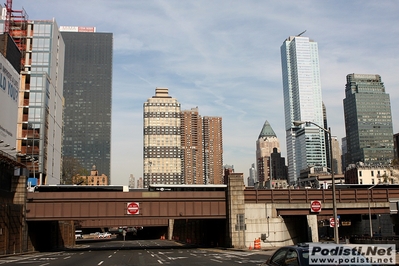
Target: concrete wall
[(261, 219)]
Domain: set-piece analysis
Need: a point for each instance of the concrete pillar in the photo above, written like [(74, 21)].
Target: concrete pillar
[(313, 229), (236, 210), (170, 228)]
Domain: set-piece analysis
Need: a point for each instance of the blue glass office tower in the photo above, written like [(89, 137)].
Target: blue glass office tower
[(302, 102)]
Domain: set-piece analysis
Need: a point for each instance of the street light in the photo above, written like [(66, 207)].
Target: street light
[(336, 233), (368, 200)]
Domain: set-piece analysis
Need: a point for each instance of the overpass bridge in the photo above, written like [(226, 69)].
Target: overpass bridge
[(232, 218)]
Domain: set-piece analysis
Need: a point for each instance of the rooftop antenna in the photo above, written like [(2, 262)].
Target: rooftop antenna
[(301, 33)]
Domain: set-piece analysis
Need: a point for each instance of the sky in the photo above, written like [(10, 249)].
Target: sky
[(224, 58)]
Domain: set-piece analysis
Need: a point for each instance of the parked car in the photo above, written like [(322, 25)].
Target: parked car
[(78, 234), (105, 235)]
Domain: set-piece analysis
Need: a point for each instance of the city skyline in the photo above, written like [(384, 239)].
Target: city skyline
[(225, 59)]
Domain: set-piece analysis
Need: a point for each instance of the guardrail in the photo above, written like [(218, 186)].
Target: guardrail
[(348, 195)]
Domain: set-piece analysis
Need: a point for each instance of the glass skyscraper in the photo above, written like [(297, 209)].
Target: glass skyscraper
[(368, 120), (302, 102), (88, 97), (40, 110)]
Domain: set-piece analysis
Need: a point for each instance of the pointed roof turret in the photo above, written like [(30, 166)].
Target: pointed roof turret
[(267, 131)]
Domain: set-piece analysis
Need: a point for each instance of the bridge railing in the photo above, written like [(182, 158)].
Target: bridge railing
[(351, 195)]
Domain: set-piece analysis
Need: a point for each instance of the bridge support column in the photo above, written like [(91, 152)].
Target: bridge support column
[(236, 211), (170, 228), (313, 229)]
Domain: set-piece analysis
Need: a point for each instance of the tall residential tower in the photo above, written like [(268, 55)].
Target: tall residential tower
[(162, 143), (368, 120), (192, 147), (88, 97), (213, 150), (302, 102)]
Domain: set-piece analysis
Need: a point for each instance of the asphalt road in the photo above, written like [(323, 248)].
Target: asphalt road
[(140, 253)]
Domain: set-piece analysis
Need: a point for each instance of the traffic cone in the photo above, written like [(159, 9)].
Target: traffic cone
[(250, 246)]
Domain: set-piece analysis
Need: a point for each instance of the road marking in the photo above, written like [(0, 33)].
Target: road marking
[(160, 262), (101, 262), (109, 256), (67, 257), (217, 260)]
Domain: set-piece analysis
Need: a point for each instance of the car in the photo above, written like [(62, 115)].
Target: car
[(78, 234), (293, 255), (290, 255), (105, 235)]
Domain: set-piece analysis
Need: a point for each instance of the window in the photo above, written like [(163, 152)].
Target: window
[(291, 258), (278, 257)]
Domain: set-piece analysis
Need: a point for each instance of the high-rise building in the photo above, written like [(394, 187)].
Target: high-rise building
[(40, 111), (302, 102), (162, 140), (192, 147), (252, 176), (337, 155), (213, 150), (132, 181), (266, 142), (396, 146), (88, 97), (368, 120)]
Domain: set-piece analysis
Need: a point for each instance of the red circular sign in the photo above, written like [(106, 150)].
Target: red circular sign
[(315, 206), (332, 222), (133, 208)]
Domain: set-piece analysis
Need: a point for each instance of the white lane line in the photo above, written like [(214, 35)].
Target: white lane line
[(67, 257), (217, 260), (109, 256), (44, 264), (101, 262), (160, 262)]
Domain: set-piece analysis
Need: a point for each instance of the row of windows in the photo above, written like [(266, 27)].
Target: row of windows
[(161, 130), (162, 114), (161, 104)]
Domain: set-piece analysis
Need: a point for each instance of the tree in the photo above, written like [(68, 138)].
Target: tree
[(71, 167)]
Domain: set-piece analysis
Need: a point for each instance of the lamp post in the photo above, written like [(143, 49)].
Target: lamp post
[(368, 201), (336, 233)]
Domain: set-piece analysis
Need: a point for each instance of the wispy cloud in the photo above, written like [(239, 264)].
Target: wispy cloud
[(224, 57)]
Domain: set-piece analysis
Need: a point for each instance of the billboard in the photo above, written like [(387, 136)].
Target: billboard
[(9, 89), (77, 29)]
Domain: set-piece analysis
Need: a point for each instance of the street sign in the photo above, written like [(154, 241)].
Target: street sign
[(315, 206), (133, 208), (332, 222)]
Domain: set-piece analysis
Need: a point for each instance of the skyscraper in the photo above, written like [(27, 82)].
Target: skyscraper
[(192, 147), (40, 110), (213, 149), (368, 120), (162, 141), (266, 142), (88, 97), (302, 102)]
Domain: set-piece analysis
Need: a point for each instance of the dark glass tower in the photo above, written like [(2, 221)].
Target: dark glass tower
[(88, 97), (368, 120)]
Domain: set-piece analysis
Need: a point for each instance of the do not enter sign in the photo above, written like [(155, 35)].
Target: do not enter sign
[(133, 208), (315, 206)]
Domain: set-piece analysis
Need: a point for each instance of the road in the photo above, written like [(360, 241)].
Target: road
[(139, 253)]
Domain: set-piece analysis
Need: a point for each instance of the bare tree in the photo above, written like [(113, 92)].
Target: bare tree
[(70, 168)]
